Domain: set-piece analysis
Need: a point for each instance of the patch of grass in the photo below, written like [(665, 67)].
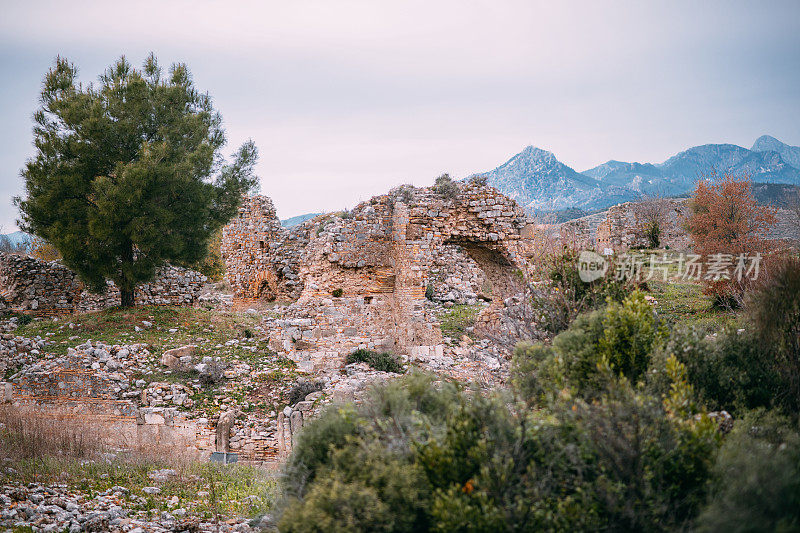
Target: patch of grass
[(685, 303), (241, 490), (455, 321), (382, 361), (118, 326)]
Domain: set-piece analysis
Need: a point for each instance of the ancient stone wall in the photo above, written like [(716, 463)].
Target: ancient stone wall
[(261, 257), (95, 387), (618, 228), (40, 287), (360, 277)]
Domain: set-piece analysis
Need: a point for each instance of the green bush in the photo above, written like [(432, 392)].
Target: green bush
[(773, 312), (430, 292), (617, 340), (337, 293), (568, 296), (733, 371), (756, 484), (382, 361), (427, 456)]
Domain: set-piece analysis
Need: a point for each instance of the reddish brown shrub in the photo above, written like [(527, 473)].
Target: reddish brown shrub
[(726, 222)]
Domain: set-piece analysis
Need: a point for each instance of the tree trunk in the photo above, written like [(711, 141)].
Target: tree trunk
[(126, 298)]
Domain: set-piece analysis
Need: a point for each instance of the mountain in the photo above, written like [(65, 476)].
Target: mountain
[(299, 219), (536, 179), (767, 143), (641, 177), (539, 181), (17, 237), (686, 168)]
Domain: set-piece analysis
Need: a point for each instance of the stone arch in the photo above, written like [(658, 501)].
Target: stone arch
[(503, 277)]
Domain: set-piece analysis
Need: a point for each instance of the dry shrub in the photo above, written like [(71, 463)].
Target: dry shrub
[(33, 434), (446, 187), (43, 250), (650, 215), (28, 434)]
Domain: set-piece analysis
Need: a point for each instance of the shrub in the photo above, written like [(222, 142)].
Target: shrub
[(756, 479), (337, 293), (773, 311), (726, 219), (480, 181), (734, 372), (303, 388), (212, 265), (22, 318), (567, 296), (446, 187), (430, 292), (382, 361), (403, 193), (617, 340), (422, 456), (650, 216)]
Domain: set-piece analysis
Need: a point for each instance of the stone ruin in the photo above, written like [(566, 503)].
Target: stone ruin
[(359, 278), (49, 288), (618, 230), (375, 277)]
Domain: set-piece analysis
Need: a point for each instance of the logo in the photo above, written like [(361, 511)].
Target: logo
[(591, 266)]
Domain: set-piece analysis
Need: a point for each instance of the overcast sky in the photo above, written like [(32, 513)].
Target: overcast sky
[(348, 99)]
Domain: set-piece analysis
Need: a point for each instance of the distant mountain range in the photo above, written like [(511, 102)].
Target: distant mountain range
[(17, 237), (299, 219), (539, 181)]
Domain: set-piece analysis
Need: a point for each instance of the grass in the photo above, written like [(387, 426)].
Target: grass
[(381, 361), (685, 303), (209, 330), (51, 450), (241, 490), (455, 321), (680, 301)]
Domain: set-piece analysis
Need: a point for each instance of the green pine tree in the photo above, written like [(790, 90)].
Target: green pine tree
[(128, 173)]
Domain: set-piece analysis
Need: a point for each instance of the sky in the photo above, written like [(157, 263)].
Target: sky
[(346, 99)]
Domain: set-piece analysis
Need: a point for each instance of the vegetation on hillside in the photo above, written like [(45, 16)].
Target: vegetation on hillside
[(609, 427)]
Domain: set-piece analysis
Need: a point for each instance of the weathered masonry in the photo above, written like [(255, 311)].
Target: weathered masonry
[(49, 288), (359, 278)]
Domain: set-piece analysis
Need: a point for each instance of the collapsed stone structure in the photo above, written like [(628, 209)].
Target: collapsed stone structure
[(48, 287), (359, 278), (619, 228)]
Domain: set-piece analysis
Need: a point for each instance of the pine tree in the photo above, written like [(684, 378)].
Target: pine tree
[(128, 174)]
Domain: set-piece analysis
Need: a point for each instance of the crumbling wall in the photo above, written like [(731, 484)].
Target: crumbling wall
[(41, 287), (261, 257), (101, 396), (363, 274), (618, 230)]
